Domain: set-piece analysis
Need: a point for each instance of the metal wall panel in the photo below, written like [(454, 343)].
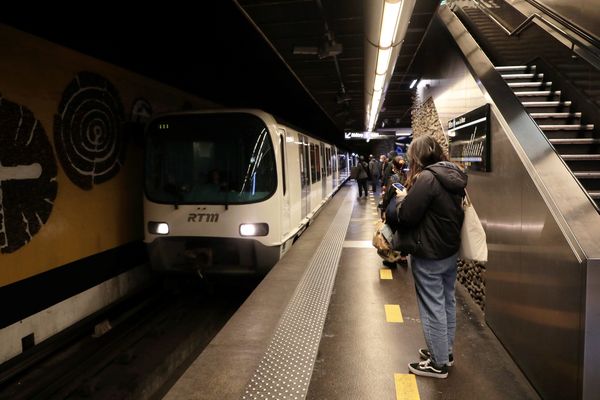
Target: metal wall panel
[(538, 224)]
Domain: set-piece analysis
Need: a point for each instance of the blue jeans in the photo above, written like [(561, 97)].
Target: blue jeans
[(434, 282)]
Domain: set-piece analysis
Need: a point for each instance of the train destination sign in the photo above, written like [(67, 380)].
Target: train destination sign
[(468, 135)]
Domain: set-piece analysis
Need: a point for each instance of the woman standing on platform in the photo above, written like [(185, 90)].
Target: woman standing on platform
[(428, 218)]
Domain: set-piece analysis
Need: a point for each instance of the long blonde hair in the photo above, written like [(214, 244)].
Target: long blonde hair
[(423, 151)]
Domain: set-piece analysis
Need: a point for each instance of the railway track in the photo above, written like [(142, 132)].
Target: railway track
[(135, 350)]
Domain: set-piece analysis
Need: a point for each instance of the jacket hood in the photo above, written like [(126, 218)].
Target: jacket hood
[(450, 176)]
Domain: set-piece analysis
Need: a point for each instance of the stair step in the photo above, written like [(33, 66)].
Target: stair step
[(581, 157), (555, 115), (515, 68), (521, 76), (587, 174), (538, 93), (588, 127), (594, 194), (575, 141), (546, 103), (528, 84)]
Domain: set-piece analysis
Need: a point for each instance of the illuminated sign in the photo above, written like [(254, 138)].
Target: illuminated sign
[(469, 139), (362, 135)]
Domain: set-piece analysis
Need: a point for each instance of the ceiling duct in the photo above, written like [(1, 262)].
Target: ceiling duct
[(328, 48)]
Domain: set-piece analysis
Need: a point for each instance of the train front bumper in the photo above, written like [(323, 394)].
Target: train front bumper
[(212, 255)]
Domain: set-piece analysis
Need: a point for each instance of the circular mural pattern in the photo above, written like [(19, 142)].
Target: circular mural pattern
[(27, 176), (88, 130)]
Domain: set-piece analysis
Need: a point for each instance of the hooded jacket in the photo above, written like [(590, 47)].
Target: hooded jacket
[(429, 219)]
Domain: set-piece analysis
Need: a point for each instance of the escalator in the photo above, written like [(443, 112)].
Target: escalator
[(540, 200), (576, 142), (574, 134)]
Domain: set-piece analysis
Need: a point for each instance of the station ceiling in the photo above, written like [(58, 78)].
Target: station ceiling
[(302, 60)]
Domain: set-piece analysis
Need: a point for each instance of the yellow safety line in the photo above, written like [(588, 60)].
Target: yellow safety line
[(406, 387), (393, 313), (385, 273)]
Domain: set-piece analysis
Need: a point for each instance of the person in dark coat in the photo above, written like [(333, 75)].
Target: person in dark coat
[(428, 220), (374, 170), (363, 177), (387, 172)]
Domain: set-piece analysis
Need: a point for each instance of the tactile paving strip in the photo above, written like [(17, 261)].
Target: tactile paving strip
[(286, 368)]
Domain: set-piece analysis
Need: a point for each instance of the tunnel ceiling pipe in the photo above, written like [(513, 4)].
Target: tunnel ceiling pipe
[(386, 25)]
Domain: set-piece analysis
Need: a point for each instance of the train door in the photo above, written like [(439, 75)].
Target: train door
[(285, 199), (323, 172), (304, 175)]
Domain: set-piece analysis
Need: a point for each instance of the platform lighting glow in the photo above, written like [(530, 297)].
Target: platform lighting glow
[(383, 60), (379, 80), (413, 83), (389, 25), (389, 29)]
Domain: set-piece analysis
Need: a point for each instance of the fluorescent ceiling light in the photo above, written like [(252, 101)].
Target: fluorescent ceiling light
[(379, 80), (413, 83), (391, 15), (383, 60)]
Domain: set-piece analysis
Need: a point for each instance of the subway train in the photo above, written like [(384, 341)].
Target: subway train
[(230, 191)]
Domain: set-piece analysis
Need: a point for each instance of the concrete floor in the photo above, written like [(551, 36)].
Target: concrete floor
[(361, 355)]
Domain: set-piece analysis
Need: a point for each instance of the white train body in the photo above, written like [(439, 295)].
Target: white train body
[(230, 191)]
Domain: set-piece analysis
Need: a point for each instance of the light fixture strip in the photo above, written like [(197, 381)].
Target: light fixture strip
[(389, 25), (389, 28), (379, 81), (383, 60)]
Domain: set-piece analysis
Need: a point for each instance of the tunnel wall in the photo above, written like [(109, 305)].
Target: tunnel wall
[(71, 170), (77, 102)]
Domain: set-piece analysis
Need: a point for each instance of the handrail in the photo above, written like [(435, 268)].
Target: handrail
[(565, 22), (525, 24)]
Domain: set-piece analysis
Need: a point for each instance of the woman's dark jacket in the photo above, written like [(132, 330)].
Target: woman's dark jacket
[(429, 219)]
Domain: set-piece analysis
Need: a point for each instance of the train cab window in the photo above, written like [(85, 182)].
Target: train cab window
[(222, 158)]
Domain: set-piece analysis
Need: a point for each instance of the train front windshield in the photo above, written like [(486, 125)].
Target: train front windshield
[(209, 159)]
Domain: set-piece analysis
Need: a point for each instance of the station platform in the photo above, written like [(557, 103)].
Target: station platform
[(331, 322)]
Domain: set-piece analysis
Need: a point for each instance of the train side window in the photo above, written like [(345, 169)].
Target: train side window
[(318, 159), (282, 148), (328, 160), (313, 164)]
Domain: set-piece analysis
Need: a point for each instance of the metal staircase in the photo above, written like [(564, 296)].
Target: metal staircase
[(573, 140)]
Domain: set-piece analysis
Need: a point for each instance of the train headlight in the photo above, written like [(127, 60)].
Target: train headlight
[(254, 229), (158, 228)]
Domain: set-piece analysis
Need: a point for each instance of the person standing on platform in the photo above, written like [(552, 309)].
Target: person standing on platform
[(363, 177), (374, 169), (428, 218), (388, 169), (383, 163)]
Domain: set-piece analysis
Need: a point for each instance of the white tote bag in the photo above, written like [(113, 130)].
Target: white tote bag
[(473, 244)]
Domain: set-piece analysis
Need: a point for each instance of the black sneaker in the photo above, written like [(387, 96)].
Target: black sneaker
[(428, 368), (425, 355)]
